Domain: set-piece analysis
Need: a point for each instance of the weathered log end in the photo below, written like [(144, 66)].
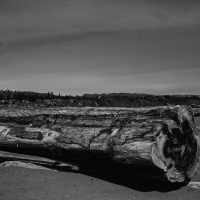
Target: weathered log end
[(177, 146)]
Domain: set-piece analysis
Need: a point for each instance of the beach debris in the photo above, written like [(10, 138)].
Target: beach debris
[(194, 184), (22, 164)]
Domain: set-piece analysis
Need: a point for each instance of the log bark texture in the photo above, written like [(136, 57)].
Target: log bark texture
[(163, 137)]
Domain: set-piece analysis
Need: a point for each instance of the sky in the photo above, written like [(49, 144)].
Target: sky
[(75, 47)]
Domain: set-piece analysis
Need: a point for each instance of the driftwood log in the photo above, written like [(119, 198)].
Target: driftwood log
[(160, 137)]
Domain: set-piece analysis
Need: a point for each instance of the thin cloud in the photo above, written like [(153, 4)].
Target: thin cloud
[(31, 20)]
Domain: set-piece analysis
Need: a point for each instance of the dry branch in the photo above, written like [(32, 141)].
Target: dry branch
[(162, 137), (35, 160)]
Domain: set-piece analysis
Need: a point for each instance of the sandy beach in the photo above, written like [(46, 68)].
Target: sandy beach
[(19, 183)]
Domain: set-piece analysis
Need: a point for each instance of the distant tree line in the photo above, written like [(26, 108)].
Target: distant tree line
[(32, 97), (49, 99)]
